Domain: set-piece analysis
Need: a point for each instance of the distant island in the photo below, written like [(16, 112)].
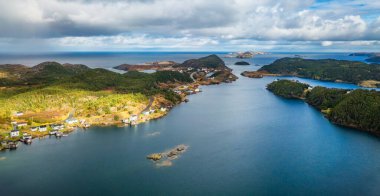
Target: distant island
[(373, 57), (243, 55), (242, 63), (160, 65), (366, 75), (52, 98), (357, 109)]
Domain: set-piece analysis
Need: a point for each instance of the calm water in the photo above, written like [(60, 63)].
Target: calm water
[(243, 141)]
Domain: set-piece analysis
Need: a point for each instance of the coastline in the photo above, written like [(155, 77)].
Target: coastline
[(261, 74)]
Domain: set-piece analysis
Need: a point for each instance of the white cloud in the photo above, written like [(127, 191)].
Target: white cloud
[(196, 23), (327, 43)]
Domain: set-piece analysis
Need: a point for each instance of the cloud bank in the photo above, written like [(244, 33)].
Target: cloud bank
[(188, 24)]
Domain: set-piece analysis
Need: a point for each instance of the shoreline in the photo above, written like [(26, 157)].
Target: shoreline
[(258, 75)]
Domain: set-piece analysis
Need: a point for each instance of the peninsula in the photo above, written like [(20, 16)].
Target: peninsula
[(53, 99), (366, 75), (373, 57), (357, 109)]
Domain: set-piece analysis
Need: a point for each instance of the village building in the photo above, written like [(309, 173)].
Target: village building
[(42, 128), (71, 121), (57, 126), (33, 129), (19, 113), (133, 118), (15, 133), (22, 124), (125, 121)]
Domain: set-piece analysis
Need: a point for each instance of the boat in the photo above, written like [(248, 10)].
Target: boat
[(58, 134), (28, 141), (12, 145), (52, 132)]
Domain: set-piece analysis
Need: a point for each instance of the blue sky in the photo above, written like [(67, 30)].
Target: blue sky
[(189, 25)]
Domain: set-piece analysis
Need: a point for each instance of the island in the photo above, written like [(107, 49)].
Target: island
[(54, 99), (243, 55), (358, 109), (373, 57), (159, 65), (366, 75), (242, 63)]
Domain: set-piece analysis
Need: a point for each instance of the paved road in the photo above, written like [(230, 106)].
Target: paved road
[(147, 108), (192, 76)]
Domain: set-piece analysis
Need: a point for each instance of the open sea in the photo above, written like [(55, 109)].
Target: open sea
[(243, 140)]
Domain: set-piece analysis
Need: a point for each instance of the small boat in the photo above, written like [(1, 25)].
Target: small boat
[(52, 132), (13, 145), (28, 141), (58, 134)]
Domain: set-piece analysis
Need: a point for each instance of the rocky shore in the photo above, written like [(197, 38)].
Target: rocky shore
[(257, 74)]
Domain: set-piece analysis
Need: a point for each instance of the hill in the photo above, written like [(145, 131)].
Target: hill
[(325, 69), (211, 61)]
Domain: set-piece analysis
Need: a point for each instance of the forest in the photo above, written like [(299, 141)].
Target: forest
[(359, 109)]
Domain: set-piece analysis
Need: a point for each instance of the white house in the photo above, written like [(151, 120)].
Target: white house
[(133, 118), (19, 113), (42, 128), (33, 129), (152, 111), (125, 121), (146, 113), (163, 109), (22, 124), (71, 121), (57, 127), (15, 133)]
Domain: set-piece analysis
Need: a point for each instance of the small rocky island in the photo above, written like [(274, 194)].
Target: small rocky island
[(165, 158), (242, 63), (243, 55)]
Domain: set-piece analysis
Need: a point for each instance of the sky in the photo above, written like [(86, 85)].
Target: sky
[(30, 26)]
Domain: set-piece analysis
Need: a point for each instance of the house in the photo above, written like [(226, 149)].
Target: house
[(152, 111), (22, 124), (19, 113), (33, 129), (163, 109), (57, 126), (133, 118), (42, 128), (15, 133), (146, 113), (71, 121), (126, 121)]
